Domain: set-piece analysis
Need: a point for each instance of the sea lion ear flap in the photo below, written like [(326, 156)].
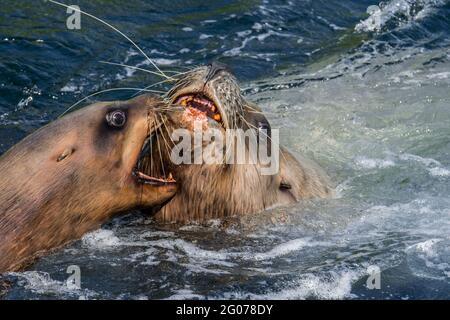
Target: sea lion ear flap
[(284, 185), (284, 182)]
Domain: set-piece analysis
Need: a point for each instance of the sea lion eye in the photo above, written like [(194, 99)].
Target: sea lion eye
[(264, 130), (263, 126), (116, 118)]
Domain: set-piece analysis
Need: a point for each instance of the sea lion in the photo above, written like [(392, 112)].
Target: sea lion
[(72, 175), (210, 191)]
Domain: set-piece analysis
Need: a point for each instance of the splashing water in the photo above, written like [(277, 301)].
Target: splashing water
[(373, 109)]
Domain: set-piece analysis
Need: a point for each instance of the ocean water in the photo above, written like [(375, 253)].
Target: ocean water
[(362, 87)]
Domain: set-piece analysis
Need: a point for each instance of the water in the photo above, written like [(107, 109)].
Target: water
[(367, 96)]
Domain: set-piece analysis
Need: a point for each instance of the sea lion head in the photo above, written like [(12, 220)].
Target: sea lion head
[(72, 175), (103, 144), (210, 95)]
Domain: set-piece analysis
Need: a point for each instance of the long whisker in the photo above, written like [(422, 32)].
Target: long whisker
[(154, 85), (190, 68), (167, 130), (166, 144), (151, 150), (165, 81), (103, 91), (175, 72), (160, 157), (115, 29), (253, 110), (136, 68)]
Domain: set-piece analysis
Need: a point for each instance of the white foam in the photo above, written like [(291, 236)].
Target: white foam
[(283, 249), (424, 161), (439, 172), (150, 257), (429, 259), (24, 103), (156, 234), (331, 285), (424, 216), (190, 249), (426, 247), (342, 188), (399, 11), (200, 260), (434, 167), (165, 62), (439, 75), (41, 283), (184, 294), (257, 26), (261, 37), (203, 268), (337, 286), (367, 163), (205, 36), (70, 88), (101, 239)]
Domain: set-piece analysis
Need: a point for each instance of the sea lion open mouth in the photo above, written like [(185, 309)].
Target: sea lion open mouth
[(201, 102), (214, 92), (139, 169)]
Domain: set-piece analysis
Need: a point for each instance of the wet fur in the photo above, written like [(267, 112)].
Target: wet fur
[(211, 191)]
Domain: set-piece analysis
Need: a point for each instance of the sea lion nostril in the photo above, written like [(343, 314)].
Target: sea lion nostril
[(214, 69)]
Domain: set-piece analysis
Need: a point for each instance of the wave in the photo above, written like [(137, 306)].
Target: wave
[(396, 13)]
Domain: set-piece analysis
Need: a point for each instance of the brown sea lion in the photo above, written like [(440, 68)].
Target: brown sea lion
[(72, 175), (209, 191)]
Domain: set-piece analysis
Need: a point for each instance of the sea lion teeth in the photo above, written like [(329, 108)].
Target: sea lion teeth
[(146, 179), (201, 103)]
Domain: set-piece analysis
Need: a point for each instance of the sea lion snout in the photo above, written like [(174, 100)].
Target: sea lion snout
[(214, 68)]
